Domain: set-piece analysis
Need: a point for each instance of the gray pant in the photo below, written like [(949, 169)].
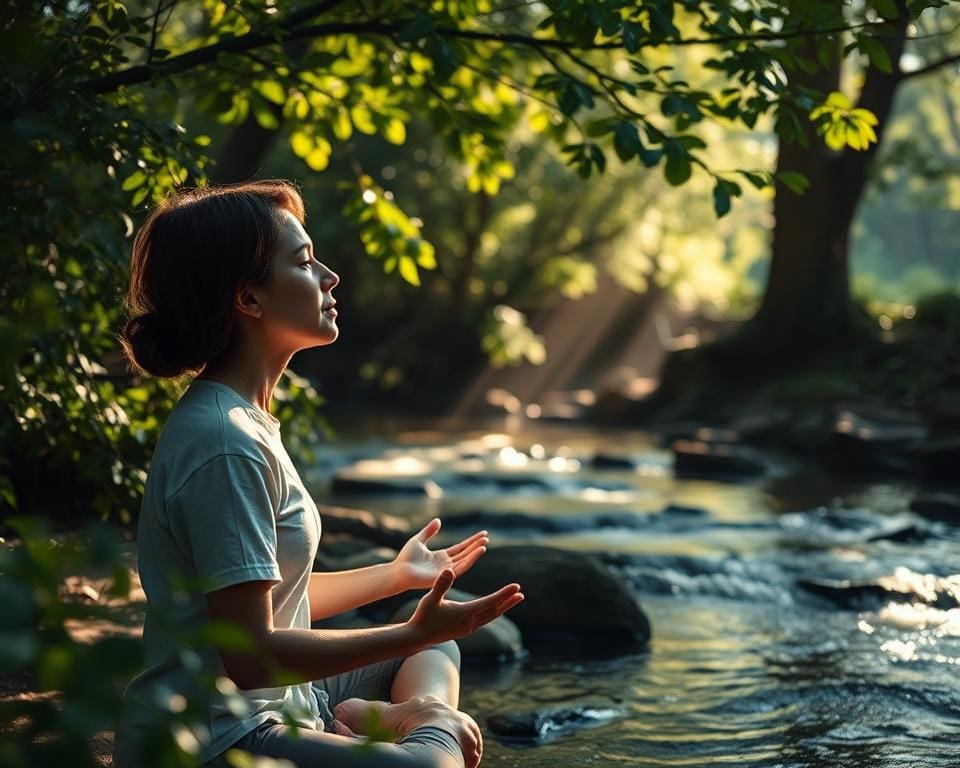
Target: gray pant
[(318, 749)]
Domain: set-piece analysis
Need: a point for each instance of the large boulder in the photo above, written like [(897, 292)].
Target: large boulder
[(566, 593), (498, 639)]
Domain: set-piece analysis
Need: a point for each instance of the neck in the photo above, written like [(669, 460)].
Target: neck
[(250, 368)]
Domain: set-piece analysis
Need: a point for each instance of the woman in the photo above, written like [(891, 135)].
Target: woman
[(224, 284)]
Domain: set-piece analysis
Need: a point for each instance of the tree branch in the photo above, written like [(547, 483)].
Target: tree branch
[(944, 62), (288, 30)]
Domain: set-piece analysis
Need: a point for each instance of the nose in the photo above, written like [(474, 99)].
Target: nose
[(329, 280)]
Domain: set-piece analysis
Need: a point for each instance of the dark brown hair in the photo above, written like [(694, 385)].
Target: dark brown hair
[(190, 257)]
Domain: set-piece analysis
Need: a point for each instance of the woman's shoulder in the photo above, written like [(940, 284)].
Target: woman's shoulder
[(208, 422)]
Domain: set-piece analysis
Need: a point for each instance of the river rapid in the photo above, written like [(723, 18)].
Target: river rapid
[(775, 641)]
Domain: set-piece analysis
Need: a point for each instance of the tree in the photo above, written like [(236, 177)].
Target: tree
[(101, 101), (806, 304)]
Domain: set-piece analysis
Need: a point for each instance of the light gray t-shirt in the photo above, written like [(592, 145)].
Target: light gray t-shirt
[(223, 504)]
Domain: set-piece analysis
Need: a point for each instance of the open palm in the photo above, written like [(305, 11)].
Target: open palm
[(418, 566)]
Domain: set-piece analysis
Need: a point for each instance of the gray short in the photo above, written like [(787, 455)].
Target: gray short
[(372, 683), (318, 749)]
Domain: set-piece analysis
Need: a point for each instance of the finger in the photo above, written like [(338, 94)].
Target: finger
[(487, 601), (466, 543), (481, 541), (440, 586), (496, 611), (465, 563), (429, 530)]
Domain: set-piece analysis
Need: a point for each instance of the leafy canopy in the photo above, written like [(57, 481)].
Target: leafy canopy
[(106, 106)]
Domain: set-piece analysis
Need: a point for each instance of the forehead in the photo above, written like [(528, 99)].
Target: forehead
[(292, 233)]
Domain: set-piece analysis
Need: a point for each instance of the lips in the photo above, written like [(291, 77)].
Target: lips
[(330, 309)]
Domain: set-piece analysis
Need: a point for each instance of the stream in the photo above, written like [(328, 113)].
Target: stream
[(762, 652)]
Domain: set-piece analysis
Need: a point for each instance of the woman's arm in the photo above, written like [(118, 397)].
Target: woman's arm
[(312, 654), (415, 567), (341, 591)]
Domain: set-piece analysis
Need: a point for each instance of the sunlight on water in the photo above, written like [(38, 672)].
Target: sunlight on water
[(744, 668)]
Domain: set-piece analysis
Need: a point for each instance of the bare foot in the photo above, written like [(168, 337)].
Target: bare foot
[(408, 715)]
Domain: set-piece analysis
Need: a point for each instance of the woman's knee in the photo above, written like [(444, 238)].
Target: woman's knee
[(450, 649)]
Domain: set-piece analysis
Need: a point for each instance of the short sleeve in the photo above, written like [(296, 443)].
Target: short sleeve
[(224, 516)]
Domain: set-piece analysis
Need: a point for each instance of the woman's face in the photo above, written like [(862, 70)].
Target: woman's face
[(297, 308)]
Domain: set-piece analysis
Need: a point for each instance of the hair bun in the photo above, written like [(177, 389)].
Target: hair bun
[(147, 341)]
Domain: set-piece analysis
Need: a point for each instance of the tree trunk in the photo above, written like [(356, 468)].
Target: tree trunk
[(806, 306)]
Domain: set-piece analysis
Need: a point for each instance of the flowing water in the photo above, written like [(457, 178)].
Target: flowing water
[(745, 667)]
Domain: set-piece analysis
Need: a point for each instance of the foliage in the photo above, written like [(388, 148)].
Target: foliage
[(109, 105), (76, 682)]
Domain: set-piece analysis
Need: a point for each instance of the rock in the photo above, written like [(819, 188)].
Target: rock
[(693, 458), (878, 445), (381, 529), (613, 461), (544, 724), (351, 485), (944, 507), (523, 521), (567, 593), (501, 483), (676, 510), (938, 461), (498, 639)]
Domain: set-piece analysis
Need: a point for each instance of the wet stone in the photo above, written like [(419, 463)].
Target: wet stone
[(568, 595), (944, 507), (613, 461), (347, 485), (546, 724), (500, 639), (694, 458)]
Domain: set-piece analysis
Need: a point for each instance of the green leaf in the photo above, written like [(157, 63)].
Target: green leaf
[(631, 34), (408, 270), (395, 131), (301, 143), (794, 181), (754, 178), (887, 9), (133, 181), (878, 55), (265, 117), (139, 196), (626, 140), (721, 200), (677, 168), (341, 125), (569, 101), (420, 27), (271, 90)]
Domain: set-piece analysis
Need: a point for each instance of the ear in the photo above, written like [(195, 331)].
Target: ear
[(246, 302)]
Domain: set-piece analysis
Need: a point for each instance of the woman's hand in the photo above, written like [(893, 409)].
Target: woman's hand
[(417, 566), (436, 619)]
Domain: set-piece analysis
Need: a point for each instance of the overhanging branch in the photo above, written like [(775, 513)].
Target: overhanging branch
[(945, 62), (288, 31)]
